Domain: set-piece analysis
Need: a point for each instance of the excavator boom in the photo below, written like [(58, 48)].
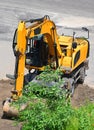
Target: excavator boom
[(41, 27)]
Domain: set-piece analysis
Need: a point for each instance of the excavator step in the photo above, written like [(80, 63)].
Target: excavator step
[(10, 76)]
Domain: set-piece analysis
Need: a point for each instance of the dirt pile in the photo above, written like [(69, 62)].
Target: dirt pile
[(83, 93)]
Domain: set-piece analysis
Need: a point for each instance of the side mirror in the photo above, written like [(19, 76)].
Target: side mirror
[(74, 45), (87, 30), (84, 28)]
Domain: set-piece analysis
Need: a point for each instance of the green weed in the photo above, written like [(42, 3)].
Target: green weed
[(50, 109)]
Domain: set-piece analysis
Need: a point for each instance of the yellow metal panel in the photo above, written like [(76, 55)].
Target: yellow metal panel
[(67, 61), (83, 53)]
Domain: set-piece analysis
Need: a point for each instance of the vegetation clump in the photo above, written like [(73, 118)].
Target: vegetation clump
[(49, 108)]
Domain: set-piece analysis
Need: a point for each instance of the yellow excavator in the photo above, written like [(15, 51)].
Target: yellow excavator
[(36, 44)]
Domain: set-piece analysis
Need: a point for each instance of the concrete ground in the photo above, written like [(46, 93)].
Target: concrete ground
[(69, 13)]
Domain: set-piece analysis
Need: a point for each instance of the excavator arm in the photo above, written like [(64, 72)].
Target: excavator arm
[(20, 59), (42, 26)]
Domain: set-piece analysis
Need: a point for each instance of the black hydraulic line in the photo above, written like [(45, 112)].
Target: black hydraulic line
[(18, 53), (16, 70), (35, 20), (14, 42), (55, 50), (38, 20), (16, 67)]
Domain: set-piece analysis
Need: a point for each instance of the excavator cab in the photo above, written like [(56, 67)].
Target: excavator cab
[(36, 52)]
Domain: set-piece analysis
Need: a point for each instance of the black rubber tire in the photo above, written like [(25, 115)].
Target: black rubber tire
[(82, 76)]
